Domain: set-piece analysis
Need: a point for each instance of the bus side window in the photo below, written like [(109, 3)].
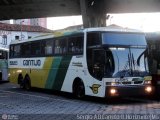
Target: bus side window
[(60, 46), (57, 47), (49, 47), (17, 51), (35, 48), (25, 50), (6, 55), (93, 39), (75, 45), (11, 52), (71, 45)]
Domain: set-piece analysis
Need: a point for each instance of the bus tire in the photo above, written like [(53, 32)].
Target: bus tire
[(27, 83), (20, 81), (78, 89)]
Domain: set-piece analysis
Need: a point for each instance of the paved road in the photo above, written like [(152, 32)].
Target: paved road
[(48, 105)]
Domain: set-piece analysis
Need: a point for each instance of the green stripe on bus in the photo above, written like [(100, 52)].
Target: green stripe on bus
[(63, 67), (53, 72)]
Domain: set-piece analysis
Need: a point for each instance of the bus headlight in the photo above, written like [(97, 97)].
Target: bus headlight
[(113, 91), (148, 89)]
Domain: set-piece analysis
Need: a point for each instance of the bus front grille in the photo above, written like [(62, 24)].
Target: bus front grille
[(128, 82), (138, 82)]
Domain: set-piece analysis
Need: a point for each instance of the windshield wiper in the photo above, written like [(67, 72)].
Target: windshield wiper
[(130, 64), (130, 60), (133, 62)]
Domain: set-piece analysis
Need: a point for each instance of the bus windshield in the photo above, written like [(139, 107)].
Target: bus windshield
[(129, 62), (127, 52)]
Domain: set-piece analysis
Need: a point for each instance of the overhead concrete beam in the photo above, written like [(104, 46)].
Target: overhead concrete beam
[(5, 1), (42, 9), (93, 11), (92, 14), (132, 6)]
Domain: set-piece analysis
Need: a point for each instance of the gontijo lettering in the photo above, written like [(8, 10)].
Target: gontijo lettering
[(32, 62)]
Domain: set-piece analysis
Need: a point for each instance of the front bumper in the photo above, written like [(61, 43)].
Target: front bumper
[(128, 90)]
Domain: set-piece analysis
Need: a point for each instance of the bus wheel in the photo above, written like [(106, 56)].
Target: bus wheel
[(27, 84), (79, 90)]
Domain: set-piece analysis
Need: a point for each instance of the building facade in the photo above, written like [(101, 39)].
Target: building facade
[(34, 21), (9, 32)]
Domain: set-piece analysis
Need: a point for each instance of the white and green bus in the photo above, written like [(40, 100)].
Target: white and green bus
[(101, 62), (4, 64)]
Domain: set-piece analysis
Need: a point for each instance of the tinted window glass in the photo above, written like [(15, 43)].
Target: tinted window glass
[(47, 47), (109, 64), (75, 45), (25, 51), (16, 50), (60, 46), (129, 62), (93, 39), (35, 48), (123, 39), (11, 52)]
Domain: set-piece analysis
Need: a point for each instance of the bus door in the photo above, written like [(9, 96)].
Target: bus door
[(98, 61), (98, 64)]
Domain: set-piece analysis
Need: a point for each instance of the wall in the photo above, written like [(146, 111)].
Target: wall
[(7, 36)]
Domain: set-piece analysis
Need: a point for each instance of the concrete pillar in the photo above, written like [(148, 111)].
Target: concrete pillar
[(93, 13)]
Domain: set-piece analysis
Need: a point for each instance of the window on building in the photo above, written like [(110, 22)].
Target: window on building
[(4, 40), (29, 37), (16, 37)]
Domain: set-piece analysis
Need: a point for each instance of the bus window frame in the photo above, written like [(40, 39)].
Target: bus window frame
[(53, 48)]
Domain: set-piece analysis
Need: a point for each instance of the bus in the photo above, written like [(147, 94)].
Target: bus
[(101, 62), (3, 64)]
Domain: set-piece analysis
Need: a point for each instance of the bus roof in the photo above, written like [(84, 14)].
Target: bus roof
[(71, 32), (114, 28)]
